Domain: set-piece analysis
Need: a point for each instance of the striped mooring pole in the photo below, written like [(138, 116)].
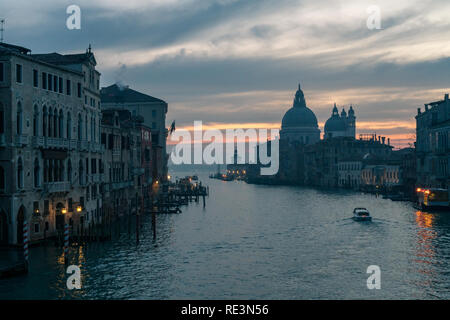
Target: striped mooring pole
[(66, 243), (25, 240)]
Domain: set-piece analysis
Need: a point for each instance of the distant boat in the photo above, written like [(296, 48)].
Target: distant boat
[(361, 214)]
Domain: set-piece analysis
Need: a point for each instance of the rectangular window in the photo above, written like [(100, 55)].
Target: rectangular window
[(46, 207), (35, 207), (36, 228), (70, 205), (110, 142), (55, 83), (18, 73), (68, 87), (50, 82), (60, 87), (44, 80), (93, 166), (35, 78), (104, 139), (153, 113), (79, 89), (2, 72)]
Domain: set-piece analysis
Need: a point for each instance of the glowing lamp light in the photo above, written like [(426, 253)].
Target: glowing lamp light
[(419, 190), (64, 211), (168, 177), (36, 211), (79, 209), (427, 192)]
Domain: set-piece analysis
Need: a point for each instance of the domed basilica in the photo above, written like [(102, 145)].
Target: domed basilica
[(299, 123), (340, 126)]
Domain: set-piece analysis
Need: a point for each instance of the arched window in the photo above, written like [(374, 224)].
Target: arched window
[(55, 123), (50, 122), (2, 119), (44, 121), (50, 170), (69, 171), (19, 118), (56, 171), (36, 121), (37, 173), (69, 126), (20, 174), (61, 170), (80, 172), (61, 124), (86, 128), (45, 170), (80, 127), (2, 179)]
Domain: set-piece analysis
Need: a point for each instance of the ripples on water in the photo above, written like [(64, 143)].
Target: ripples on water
[(258, 242)]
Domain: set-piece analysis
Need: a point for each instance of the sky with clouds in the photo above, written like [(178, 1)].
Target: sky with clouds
[(239, 62)]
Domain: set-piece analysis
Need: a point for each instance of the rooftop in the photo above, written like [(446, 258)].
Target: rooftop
[(121, 94)]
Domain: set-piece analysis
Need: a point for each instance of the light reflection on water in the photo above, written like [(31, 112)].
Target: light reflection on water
[(257, 242)]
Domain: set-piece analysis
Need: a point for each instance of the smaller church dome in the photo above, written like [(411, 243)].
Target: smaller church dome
[(335, 124)]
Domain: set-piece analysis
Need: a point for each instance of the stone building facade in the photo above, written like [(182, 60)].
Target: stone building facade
[(121, 139), (433, 144), (153, 111), (50, 147)]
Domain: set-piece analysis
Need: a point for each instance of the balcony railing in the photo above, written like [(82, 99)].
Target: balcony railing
[(21, 140), (53, 187), (96, 178), (72, 144), (116, 152), (83, 145), (38, 142), (121, 185)]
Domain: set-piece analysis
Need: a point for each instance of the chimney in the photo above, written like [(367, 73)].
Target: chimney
[(418, 111), (383, 139), (446, 97), (389, 141), (426, 107)]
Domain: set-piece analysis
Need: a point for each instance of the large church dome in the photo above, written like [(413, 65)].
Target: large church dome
[(299, 124), (299, 115)]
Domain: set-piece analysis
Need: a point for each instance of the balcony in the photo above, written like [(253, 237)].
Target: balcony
[(83, 145), (38, 142), (72, 144), (121, 185), (21, 140), (54, 187), (116, 152), (58, 143), (97, 178), (138, 171)]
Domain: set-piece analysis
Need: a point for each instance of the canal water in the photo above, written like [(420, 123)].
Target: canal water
[(258, 242)]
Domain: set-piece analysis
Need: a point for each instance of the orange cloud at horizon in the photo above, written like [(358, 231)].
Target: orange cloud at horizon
[(378, 127)]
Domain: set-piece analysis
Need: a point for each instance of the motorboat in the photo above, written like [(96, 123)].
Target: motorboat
[(361, 214)]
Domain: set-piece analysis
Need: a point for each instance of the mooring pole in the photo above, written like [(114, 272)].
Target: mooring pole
[(66, 244), (137, 221), (25, 242)]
